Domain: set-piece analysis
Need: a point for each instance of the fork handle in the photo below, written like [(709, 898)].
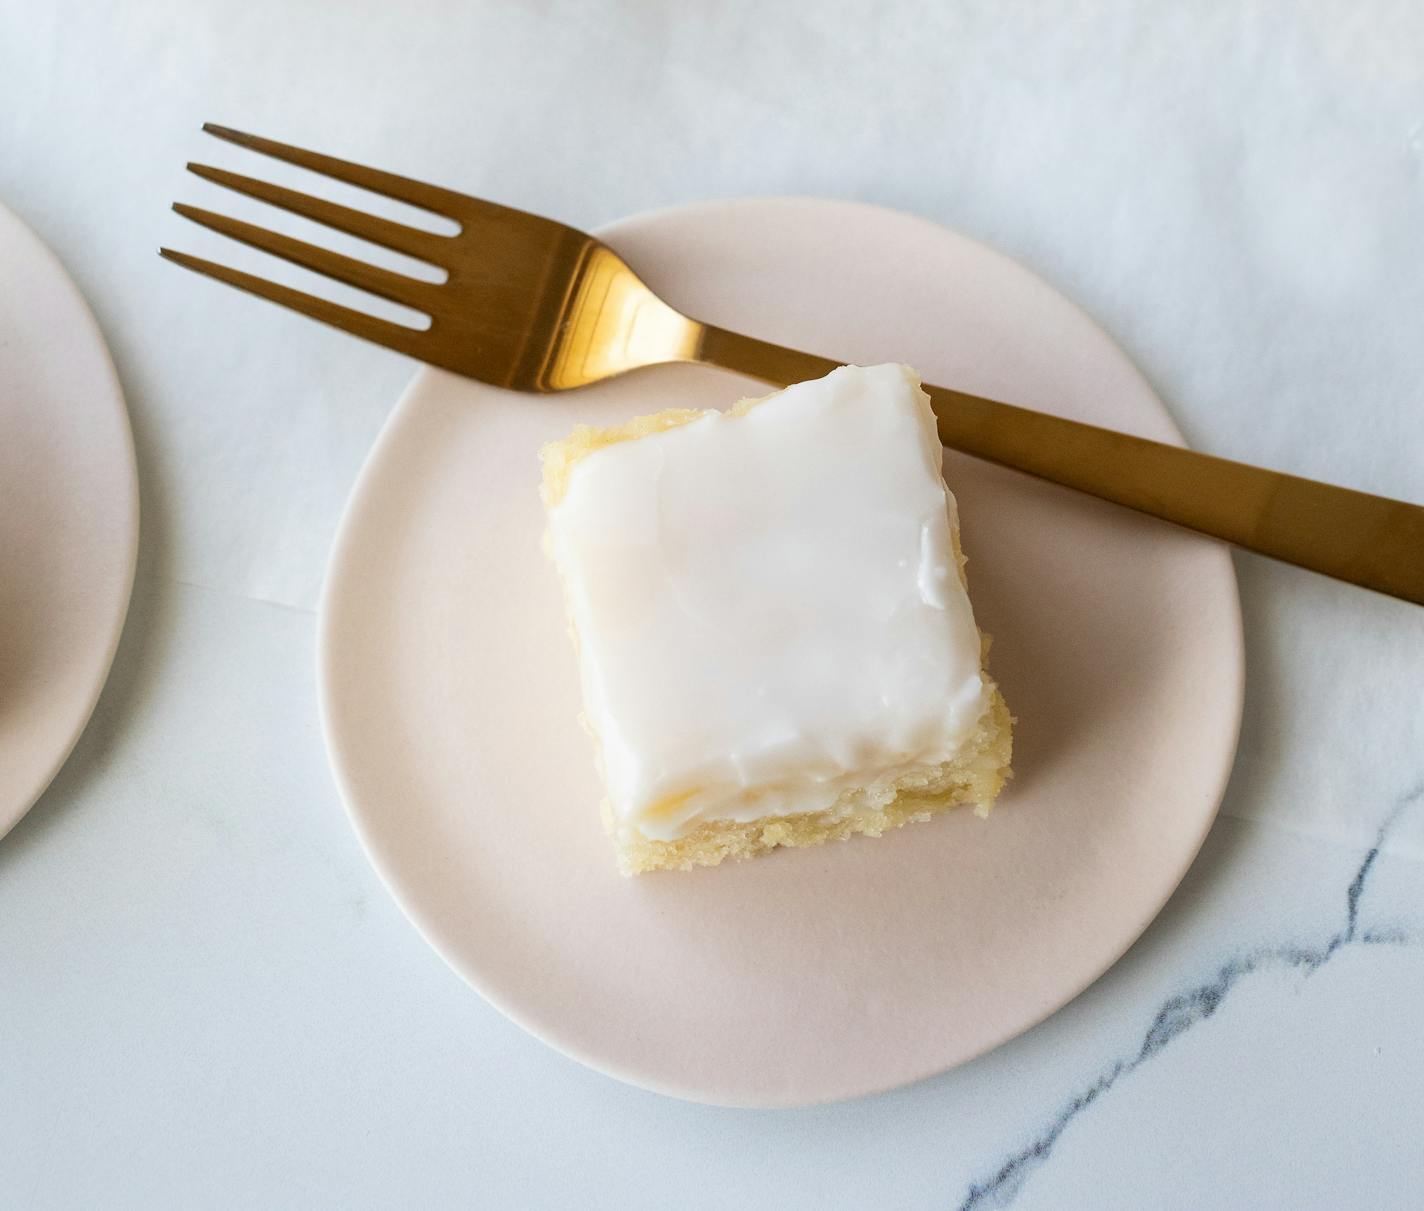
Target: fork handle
[(1353, 536)]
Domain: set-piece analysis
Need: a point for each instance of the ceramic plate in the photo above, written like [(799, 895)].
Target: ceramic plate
[(450, 699), (68, 516)]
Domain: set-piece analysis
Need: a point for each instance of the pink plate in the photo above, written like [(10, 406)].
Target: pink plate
[(68, 516), (450, 700)]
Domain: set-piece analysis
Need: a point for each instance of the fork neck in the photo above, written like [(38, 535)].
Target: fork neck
[(773, 364)]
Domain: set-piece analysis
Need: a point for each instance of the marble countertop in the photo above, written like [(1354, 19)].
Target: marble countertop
[(207, 999)]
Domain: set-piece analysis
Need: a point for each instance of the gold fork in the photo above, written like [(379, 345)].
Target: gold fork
[(532, 305)]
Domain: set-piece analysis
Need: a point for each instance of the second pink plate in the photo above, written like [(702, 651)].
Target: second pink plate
[(450, 699), (68, 516)]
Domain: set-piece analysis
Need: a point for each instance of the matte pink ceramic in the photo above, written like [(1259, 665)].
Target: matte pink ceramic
[(68, 516), (451, 699)]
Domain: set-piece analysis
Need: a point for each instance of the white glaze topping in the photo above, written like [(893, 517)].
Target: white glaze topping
[(767, 605)]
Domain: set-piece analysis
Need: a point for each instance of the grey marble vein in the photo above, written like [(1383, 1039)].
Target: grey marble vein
[(1185, 1010)]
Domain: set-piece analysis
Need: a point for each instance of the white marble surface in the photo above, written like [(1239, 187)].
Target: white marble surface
[(206, 1000)]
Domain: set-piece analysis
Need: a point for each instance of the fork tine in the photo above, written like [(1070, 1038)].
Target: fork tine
[(394, 286), (428, 197), (423, 245), (409, 341)]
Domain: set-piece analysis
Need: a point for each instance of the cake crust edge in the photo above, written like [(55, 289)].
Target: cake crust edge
[(975, 776)]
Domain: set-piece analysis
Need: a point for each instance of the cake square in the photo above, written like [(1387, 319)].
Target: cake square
[(774, 633)]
